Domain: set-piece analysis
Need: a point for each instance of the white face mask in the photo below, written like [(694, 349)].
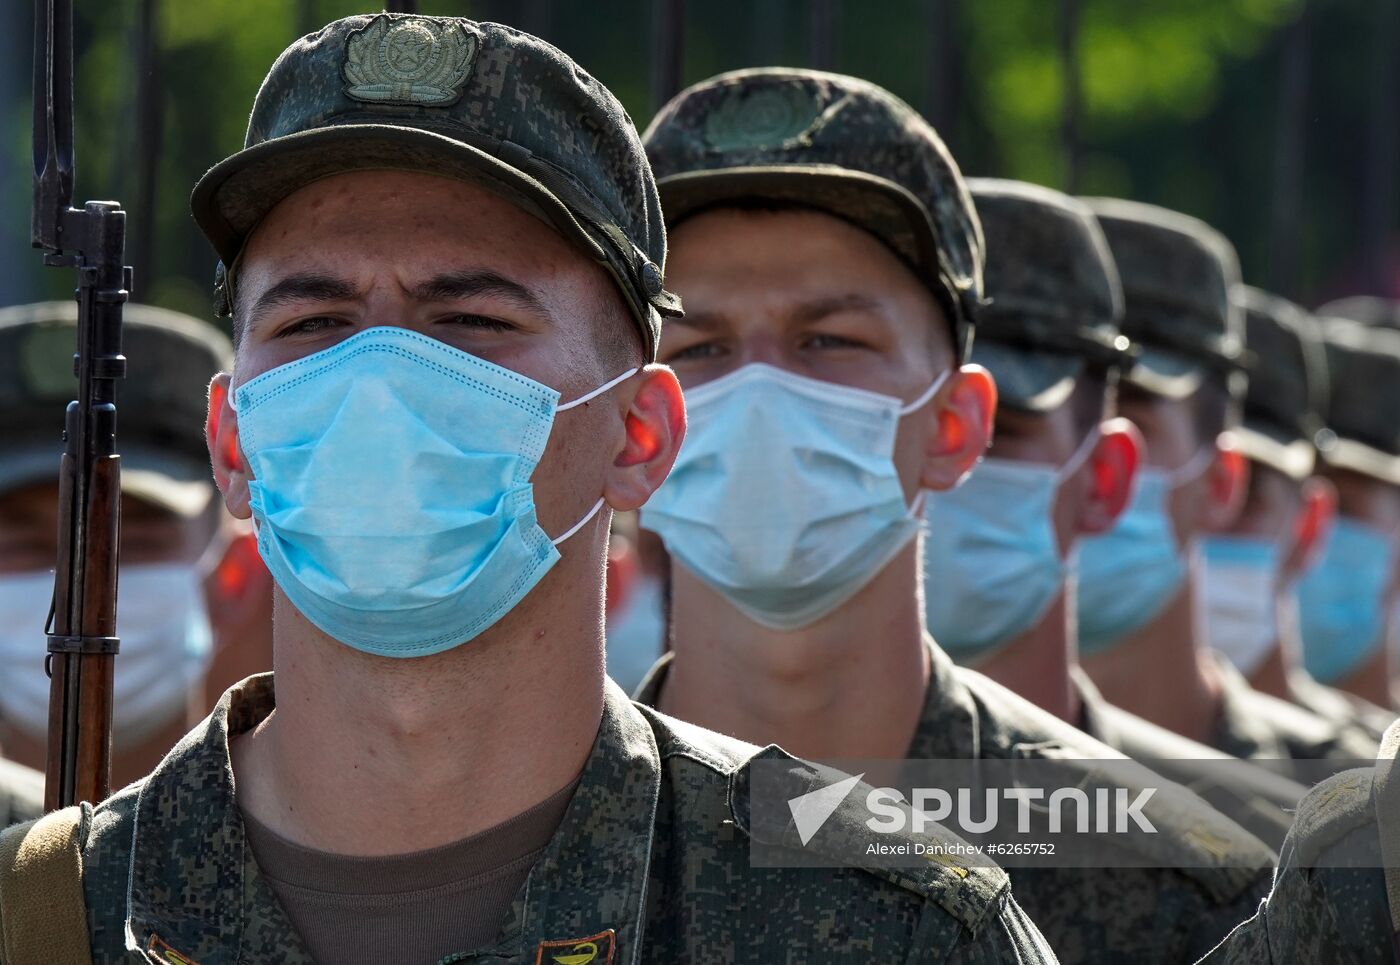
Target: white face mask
[(785, 497), (166, 646), (1238, 593)]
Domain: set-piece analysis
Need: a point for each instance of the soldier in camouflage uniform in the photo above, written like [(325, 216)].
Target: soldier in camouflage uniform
[(1347, 602), (1250, 585), (1139, 583), (830, 257), (186, 577), (457, 207), (994, 575), (1335, 895)]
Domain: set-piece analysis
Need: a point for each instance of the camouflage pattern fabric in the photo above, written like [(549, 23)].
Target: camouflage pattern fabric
[(1363, 371), (1328, 902), (1172, 914), (1177, 274), (1054, 302), (1340, 707), (1288, 388), (475, 101), (1257, 727), (21, 793), (834, 143), (650, 862), (1257, 800)]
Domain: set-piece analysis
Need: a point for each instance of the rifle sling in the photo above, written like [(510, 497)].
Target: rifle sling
[(43, 915)]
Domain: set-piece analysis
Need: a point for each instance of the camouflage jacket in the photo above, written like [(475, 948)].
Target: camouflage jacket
[(1209, 873), (1257, 800), (650, 863), (21, 793), (1254, 726), (1329, 902)]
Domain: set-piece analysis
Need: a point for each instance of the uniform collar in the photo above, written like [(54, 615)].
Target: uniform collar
[(194, 885), (949, 726), (1093, 718), (1239, 732), (649, 690)]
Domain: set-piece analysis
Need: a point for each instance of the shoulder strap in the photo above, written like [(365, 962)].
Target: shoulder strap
[(1388, 817), (44, 917)]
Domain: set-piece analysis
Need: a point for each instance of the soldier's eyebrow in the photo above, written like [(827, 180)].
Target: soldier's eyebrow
[(699, 320), (477, 282), (307, 287), (819, 308)]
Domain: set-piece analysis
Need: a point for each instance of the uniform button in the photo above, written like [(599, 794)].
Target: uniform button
[(651, 278)]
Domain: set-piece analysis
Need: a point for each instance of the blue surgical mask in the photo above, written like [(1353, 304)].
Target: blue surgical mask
[(1239, 593), (1128, 575), (784, 497), (391, 488), (992, 563), (1341, 601)]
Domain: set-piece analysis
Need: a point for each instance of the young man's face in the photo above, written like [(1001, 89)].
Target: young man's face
[(462, 265), (810, 294)]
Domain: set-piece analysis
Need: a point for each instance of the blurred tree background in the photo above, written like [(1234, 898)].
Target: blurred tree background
[(1275, 120)]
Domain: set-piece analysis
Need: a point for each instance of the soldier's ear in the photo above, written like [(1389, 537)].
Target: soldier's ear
[(1227, 484), (654, 427), (1113, 468), (225, 455), (1316, 513), (964, 411)]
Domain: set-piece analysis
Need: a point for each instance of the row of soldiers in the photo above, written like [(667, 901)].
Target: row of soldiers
[(944, 469)]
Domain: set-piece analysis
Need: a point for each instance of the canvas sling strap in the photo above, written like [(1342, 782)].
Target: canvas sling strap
[(43, 917)]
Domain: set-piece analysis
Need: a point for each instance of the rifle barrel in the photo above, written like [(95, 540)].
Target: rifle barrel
[(82, 638)]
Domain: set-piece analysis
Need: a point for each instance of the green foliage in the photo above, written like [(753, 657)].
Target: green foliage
[(1178, 98)]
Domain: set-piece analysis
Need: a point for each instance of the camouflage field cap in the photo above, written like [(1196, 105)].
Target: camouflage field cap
[(479, 102), (1363, 373), (1053, 300), (161, 404), (833, 143), (1177, 273), (1287, 394), (1381, 312)]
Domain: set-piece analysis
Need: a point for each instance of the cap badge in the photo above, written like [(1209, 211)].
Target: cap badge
[(413, 61), (768, 118)]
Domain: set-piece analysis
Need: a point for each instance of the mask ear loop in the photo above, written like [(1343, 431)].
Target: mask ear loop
[(580, 401), (916, 508), (1193, 467), (928, 394), (581, 523), (589, 397), (1080, 456)]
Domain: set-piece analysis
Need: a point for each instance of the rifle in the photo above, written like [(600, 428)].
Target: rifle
[(82, 641)]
